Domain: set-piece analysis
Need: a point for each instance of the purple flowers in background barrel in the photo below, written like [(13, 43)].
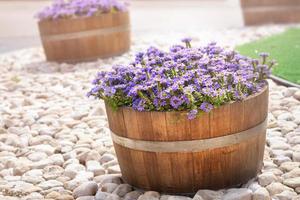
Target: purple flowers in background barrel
[(183, 79), (80, 8)]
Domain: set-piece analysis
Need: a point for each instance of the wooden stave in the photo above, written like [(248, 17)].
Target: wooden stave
[(255, 3), (183, 172), (256, 12), (80, 24), (258, 15), (67, 50), (68, 55), (124, 122), (173, 172)]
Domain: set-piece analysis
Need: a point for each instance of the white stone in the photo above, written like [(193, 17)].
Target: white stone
[(52, 172), (292, 182), (115, 169), (109, 187), (106, 158), (266, 178), (33, 196), (208, 195), (286, 117), (122, 189), (85, 174), (23, 187), (57, 159), (73, 169), (41, 164), (289, 166), (290, 91), (86, 189), (95, 167), (102, 195), (292, 174), (169, 197), (286, 195), (253, 186), (297, 95), (86, 198), (108, 178), (72, 184), (280, 152), (150, 195), (238, 194), (110, 164), (33, 179), (46, 148), (50, 184), (296, 156), (37, 156), (261, 194), (276, 188), (278, 160), (133, 195)]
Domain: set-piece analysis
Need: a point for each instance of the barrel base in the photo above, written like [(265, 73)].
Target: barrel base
[(188, 172)]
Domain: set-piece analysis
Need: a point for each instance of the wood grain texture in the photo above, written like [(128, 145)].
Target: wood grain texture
[(258, 12), (86, 38), (185, 172), (255, 3)]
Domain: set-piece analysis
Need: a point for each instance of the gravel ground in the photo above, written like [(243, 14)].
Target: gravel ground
[(55, 143)]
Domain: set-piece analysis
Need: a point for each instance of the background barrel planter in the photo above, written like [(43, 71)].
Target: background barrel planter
[(164, 151), (85, 38), (257, 12)]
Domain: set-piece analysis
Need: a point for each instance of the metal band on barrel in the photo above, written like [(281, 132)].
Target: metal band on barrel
[(101, 31), (190, 145)]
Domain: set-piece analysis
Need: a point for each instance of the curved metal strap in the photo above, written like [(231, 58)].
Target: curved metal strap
[(88, 33), (191, 145)]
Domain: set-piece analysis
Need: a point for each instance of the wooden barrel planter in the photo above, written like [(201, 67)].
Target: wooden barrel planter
[(164, 151), (258, 12), (85, 38)]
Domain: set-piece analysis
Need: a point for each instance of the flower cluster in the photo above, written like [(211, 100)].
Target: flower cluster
[(183, 79), (79, 8)]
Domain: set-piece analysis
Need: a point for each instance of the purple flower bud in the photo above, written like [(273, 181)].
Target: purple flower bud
[(186, 40), (206, 107), (192, 114)]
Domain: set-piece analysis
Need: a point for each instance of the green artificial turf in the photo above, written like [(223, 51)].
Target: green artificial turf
[(284, 48)]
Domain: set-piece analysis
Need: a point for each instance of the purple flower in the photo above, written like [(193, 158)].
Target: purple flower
[(206, 107), (263, 54), (182, 79), (264, 57), (176, 102), (80, 8), (176, 48), (109, 91), (192, 114), (187, 42), (139, 104)]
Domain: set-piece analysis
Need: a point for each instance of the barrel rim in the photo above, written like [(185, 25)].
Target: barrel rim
[(252, 96), (65, 20)]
